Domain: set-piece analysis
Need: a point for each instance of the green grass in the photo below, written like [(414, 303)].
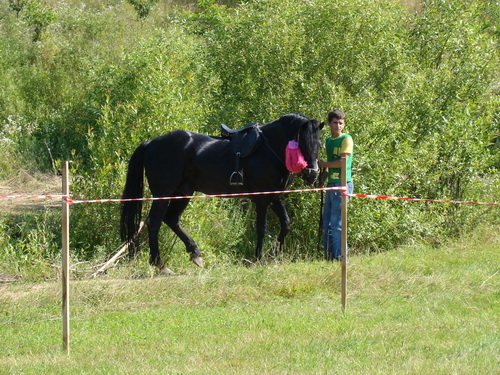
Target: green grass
[(416, 310)]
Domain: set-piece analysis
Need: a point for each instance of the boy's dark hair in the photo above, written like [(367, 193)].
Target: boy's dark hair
[(336, 114)]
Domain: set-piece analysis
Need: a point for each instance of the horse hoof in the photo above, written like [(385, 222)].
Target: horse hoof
[(196, 259), (165, 271)]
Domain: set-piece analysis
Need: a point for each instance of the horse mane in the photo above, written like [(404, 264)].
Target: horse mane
[(302, 129), (295, 120)]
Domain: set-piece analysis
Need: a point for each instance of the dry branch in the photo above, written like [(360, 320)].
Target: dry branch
[(120, 253)]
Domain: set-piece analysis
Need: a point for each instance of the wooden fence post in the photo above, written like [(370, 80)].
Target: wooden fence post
[(65, 257)]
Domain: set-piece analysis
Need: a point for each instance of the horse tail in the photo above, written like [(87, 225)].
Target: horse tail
[(134, 188)]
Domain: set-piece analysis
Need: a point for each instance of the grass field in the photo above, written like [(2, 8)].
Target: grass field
[(416, 310)]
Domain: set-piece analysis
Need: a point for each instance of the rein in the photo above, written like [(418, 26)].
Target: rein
[(266, 141)]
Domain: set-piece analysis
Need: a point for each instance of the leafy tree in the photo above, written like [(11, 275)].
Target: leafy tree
[(143, 7), (38, 16), (17, 6)]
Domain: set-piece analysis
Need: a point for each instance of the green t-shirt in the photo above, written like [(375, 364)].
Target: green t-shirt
[(334, 148)]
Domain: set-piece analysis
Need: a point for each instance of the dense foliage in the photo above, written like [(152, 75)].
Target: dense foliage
[(88, 82)]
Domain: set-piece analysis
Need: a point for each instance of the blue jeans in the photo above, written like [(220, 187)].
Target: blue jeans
[(332, 221)]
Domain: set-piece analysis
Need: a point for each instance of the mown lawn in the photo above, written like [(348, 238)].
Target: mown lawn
[(416, 310)]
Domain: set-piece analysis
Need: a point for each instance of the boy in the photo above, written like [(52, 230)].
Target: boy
[(338, 145)]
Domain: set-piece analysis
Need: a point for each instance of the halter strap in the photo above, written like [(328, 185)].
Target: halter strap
[(266, 141)]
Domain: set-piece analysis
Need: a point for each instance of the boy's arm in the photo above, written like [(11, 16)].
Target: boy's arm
[(333, 164)]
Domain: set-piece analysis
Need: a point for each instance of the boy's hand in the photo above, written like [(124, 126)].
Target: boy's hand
[(323, 174)]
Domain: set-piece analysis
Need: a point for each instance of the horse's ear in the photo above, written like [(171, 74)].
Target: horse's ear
[(321, 125)]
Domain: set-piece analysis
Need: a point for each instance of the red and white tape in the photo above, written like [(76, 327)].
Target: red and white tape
[(229, 195), (416, 199)]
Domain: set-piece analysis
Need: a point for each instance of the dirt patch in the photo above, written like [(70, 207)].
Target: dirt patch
[(24, 183), (14, 291)]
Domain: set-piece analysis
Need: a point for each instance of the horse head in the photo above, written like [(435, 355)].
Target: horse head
[(309, 138)]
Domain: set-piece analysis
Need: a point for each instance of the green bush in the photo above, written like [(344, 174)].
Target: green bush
[(30, 244), (419, 90), (416, 89)]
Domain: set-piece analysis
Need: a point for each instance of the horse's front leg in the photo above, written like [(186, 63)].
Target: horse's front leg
[(261, 210), (279, 209), (172, 219)]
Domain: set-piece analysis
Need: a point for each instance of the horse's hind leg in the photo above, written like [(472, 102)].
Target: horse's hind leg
[(172, 219), (158, 209)]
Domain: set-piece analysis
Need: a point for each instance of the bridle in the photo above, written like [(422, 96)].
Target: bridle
[(307, 172)]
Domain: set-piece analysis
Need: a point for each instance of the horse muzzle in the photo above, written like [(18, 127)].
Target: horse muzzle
[(310, 175)]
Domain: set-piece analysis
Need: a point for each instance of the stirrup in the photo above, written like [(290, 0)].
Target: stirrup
[(236, 178)]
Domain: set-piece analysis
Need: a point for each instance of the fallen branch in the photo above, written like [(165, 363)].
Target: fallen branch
[(121, 252)]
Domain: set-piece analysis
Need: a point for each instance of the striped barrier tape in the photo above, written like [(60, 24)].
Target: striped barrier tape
[(416, 199), (229, 195)]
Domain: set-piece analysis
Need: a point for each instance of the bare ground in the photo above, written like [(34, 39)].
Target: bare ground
[(24, 183)]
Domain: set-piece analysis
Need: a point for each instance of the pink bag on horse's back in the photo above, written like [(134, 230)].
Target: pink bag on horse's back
[(294, 159)]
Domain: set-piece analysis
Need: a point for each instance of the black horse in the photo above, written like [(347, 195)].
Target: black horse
[(181, 162)]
